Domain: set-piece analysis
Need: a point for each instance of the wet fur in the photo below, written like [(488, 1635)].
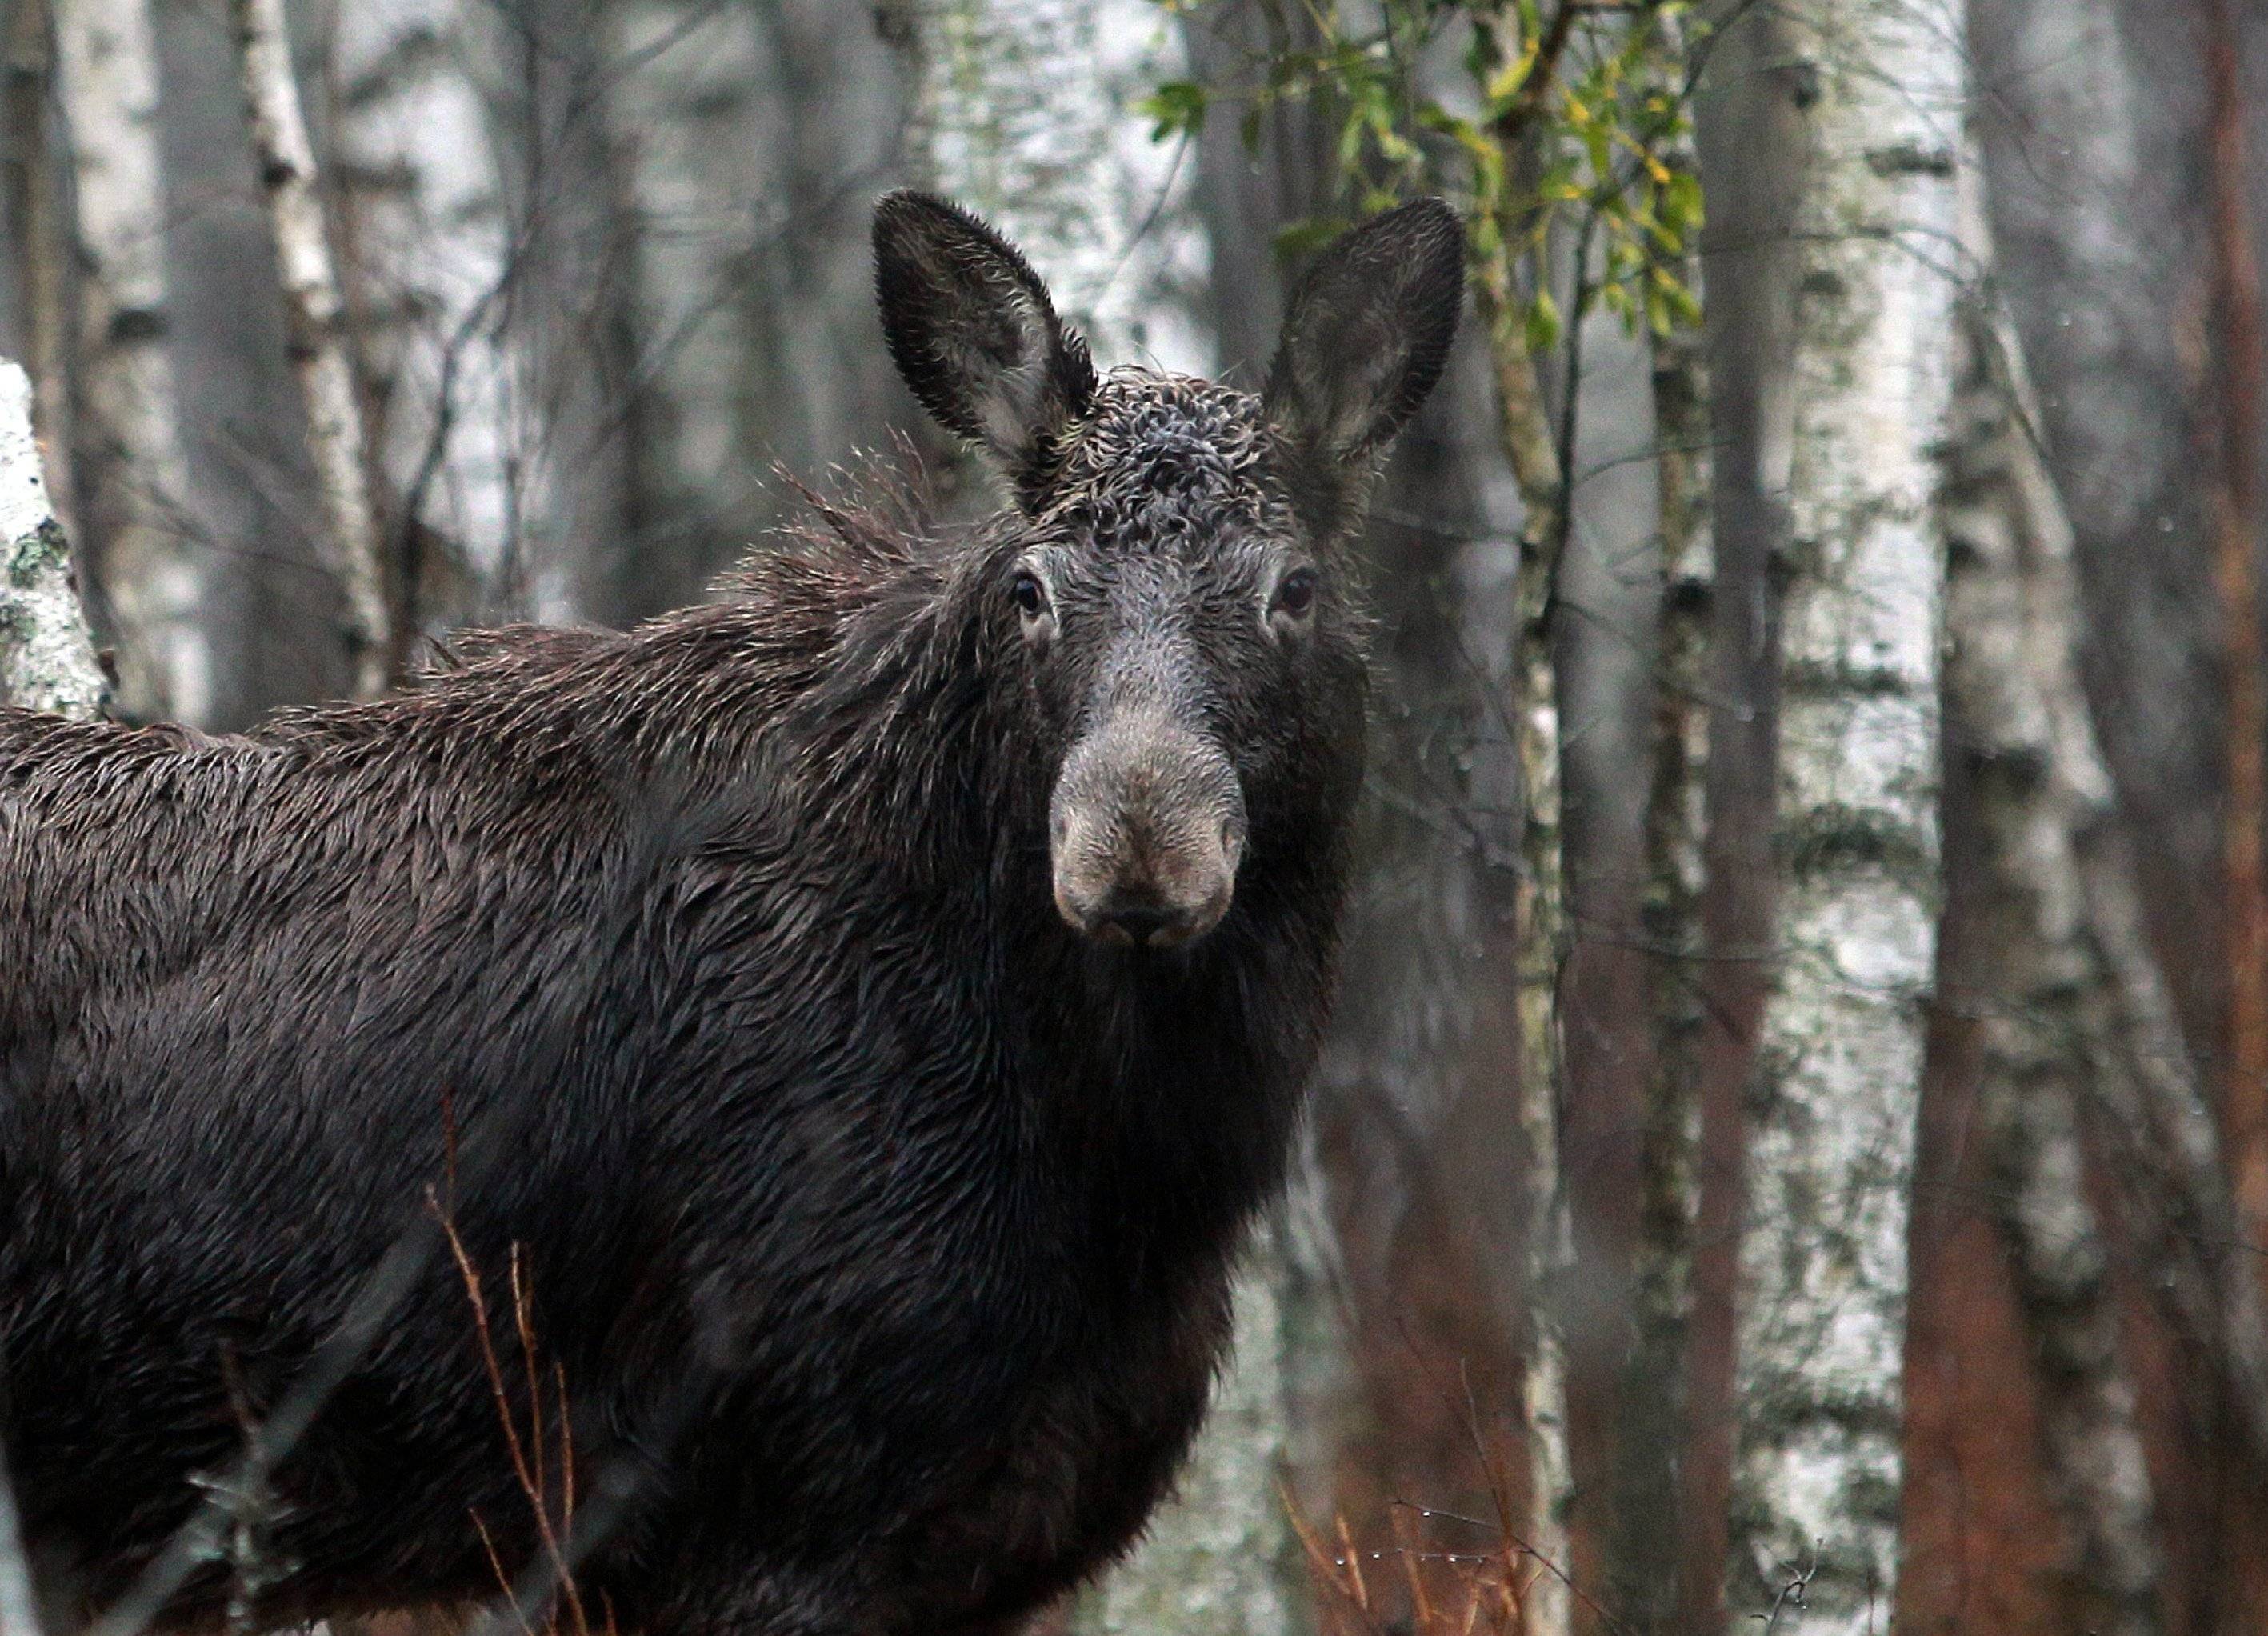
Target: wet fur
[(880, 1225)]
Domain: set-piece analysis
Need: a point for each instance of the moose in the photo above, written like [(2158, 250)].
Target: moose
[(846, 1029)]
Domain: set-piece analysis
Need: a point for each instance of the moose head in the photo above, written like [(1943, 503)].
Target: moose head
[(1175, 585)]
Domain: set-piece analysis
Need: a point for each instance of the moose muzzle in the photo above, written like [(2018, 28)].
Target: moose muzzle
[(1146, 829)]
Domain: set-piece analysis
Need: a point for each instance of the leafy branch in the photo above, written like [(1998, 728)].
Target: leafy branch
[(1578, 113)]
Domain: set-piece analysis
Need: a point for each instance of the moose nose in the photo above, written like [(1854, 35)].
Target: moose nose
[(1146, 831), (1141, 922)]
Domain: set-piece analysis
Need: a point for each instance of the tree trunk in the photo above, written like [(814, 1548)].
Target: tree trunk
[(1220, 1557), (430, 270), (842, 107), (311, 300), (2096, 152), (1413, 1316), (1832, 1111), (571, 551), (693, 113), (2027, 767), (153, 578), (751, 142), (1538, 923), (1538, 933), (46, 657), (30, 163), (1651, 1422), (2237, 387)]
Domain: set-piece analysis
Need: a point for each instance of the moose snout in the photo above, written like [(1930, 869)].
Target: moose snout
[(1148, 828)]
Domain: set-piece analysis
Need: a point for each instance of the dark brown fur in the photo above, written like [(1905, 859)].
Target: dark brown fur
[(880, 1221)]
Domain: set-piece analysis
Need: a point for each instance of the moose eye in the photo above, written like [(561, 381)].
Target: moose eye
[(1296, 595), (1029, 593)]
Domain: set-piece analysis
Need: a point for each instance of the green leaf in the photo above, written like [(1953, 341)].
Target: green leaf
[(1178, 107), (1540, 330), (1351, 140), (1680, 200), (1295, 239)]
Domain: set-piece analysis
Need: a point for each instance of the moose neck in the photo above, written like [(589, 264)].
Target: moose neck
[(1174, 1079)]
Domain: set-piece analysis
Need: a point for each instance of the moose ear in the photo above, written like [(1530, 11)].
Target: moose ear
[(1368, 332), (972, 331)]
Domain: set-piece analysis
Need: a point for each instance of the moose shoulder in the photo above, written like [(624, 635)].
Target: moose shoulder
[(854, 1020)]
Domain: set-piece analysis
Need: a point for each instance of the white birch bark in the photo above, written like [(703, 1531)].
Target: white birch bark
[(2008, 521), (154, 580), (1652, 1420), (47, 657), (31, 162), (1832, 1110), (351, 544), (2013, 693), (1540, 920), (430, 268)]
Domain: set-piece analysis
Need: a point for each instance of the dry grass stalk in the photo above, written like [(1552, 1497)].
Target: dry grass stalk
[(548, 1481)]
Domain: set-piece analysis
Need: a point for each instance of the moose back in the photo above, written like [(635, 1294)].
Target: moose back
[(748, 1118)]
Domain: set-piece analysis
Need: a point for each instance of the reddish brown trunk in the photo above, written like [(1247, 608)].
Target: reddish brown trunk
[(1736, 1002), (2244, 1105), (2236, 382), (1981, 1534), (1604, 998), (1752, 146), (1736, 916)]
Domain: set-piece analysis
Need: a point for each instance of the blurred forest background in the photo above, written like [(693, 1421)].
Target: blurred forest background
[(1796, 1139)]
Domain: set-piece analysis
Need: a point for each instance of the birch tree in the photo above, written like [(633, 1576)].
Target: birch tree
[(1553, 131), (1651, 1400), (154, 580), (1832, 1110), (1403, 1189), (335, 440), (688, 121), (46, 656), (33, 204), (2034, 775), (750, 141), (2092, 140), (429, 269), (1221, 1559)]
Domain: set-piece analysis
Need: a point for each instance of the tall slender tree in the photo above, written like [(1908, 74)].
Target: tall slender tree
[(337, 443), (153, 575), (429, 275), (1831, 1107)]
